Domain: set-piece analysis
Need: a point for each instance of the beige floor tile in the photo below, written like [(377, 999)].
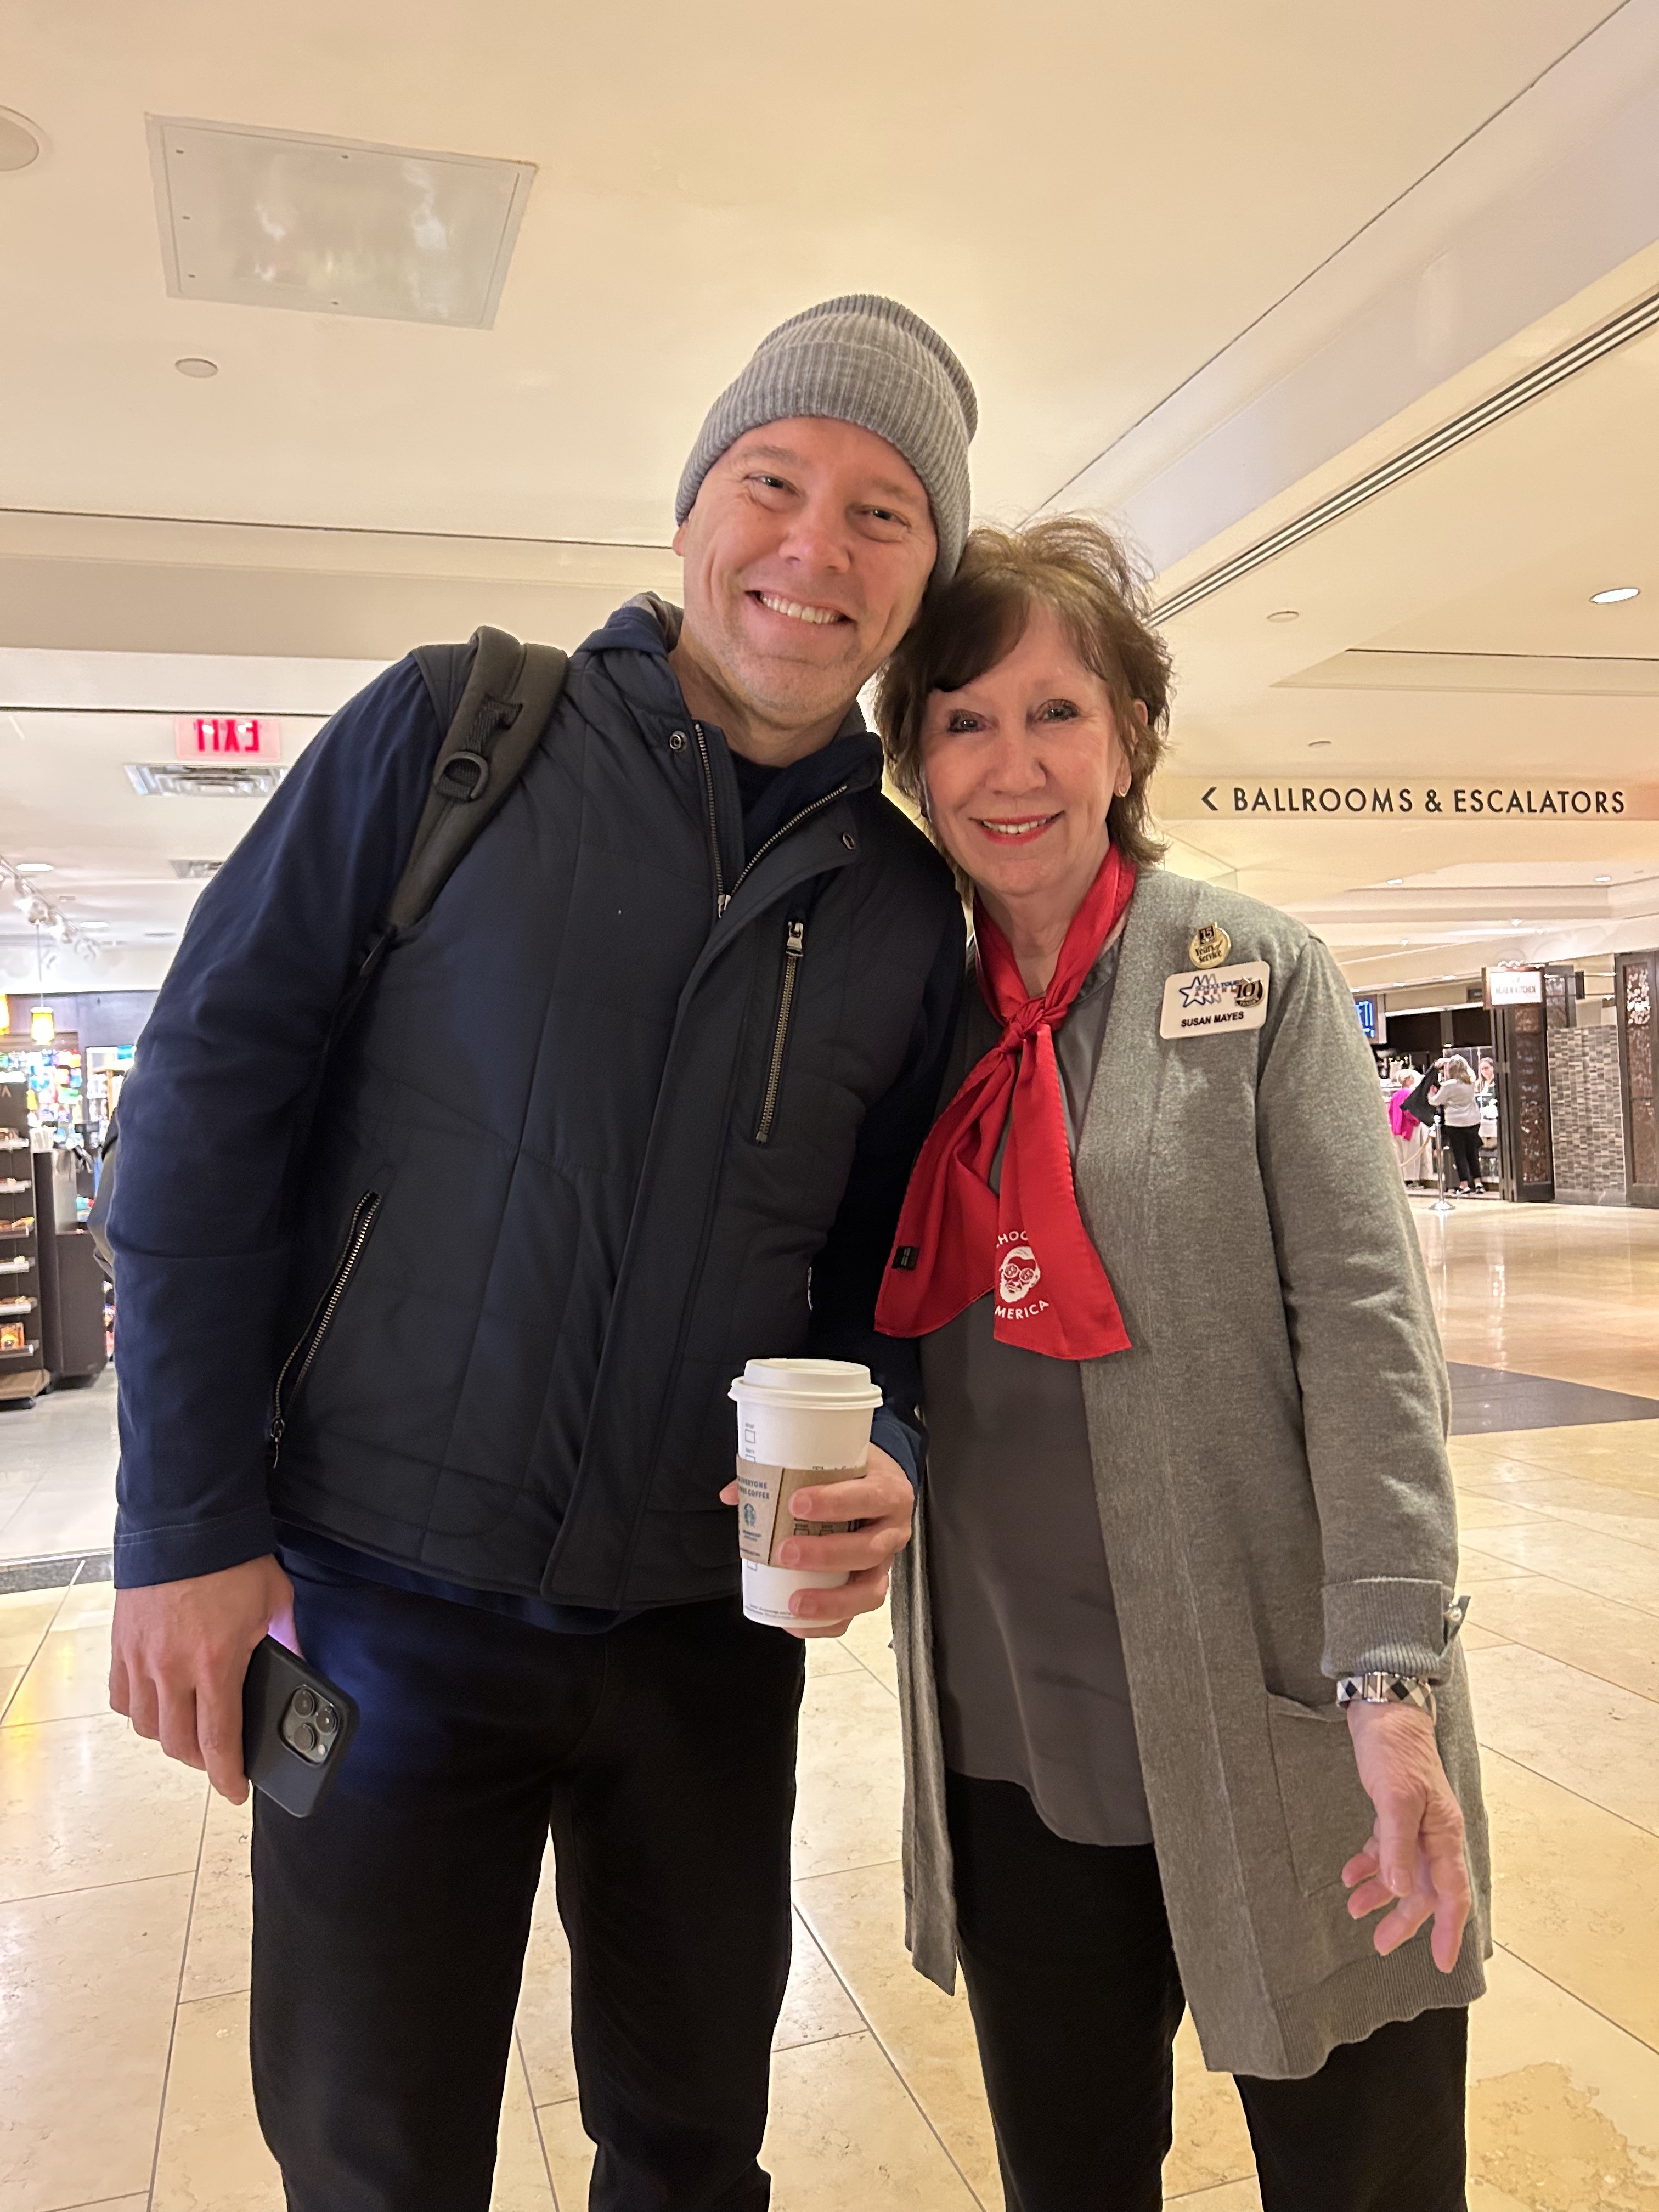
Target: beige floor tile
[(85, 1603), (522, 2181), (851, 1775), (212, 2157), (1475, 1638), (216, 1954), (543, 2020), (1476, 1568), (1624, 1453), (859, 1918), (89, 1980), (570, 2152), (1231, 2196), (816, 2005), (1478, 1510), (828, 1655), (9, 1678), (871, 1640), (67, 1679), (113, 2205), (1575, 1894), (1615, 1643), (1631, 1517), (85, 1801), (57, 1517), (1212, 2145), (844, 2136), (1601, 1741), (25, 1617), (1628, 1572), (1563, 2107)]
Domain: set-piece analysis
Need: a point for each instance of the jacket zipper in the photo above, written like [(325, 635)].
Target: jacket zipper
[(317, 1327), (722, 902), (794, 946), (723, 898)]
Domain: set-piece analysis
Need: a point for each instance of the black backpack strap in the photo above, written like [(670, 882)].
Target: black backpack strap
[(510, 691)]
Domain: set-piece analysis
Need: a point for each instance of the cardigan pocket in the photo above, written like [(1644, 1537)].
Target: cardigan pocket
[(1327, 1815)]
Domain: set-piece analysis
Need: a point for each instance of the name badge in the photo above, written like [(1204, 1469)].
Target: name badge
[(1206, 1001)]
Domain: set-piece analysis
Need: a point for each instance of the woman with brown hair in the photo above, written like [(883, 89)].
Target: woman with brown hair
[(1181, 1698)]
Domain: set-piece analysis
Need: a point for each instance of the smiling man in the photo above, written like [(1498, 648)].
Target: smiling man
[(635, 1102)]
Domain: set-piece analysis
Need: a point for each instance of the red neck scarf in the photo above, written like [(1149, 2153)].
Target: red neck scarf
[(958, 1238)]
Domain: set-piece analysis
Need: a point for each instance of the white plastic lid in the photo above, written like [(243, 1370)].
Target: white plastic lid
[(808, 1383)]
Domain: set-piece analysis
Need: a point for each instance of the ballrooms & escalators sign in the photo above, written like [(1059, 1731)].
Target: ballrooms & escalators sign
[(1198, 799)]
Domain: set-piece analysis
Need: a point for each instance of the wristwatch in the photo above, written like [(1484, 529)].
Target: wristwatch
[(1386, 1690)]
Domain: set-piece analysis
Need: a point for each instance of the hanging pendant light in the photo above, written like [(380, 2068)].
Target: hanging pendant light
[(42, 1026)]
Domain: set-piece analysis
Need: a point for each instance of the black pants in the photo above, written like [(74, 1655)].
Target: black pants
[(390, 1927), (1076, 2000), (1465, 1151)]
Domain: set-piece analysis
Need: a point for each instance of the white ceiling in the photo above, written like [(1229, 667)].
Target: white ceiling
[(1093, 202)]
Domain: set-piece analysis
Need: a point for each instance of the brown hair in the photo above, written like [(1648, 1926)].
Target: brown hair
[(1080, 572)]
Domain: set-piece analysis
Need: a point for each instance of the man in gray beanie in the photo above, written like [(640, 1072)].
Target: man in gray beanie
[(634, 1104)]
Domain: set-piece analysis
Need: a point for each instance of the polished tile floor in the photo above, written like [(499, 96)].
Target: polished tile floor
[(124, 1900)]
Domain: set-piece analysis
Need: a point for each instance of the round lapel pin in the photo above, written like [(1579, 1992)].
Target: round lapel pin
[(1210, 945)]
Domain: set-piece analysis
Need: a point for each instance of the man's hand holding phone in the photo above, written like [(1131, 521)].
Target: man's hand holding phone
[(178, 1654)]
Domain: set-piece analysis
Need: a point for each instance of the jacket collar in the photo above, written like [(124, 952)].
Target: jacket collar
[(637, 641)]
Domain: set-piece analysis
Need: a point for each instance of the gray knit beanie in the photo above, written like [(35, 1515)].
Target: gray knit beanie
[(864, 360)]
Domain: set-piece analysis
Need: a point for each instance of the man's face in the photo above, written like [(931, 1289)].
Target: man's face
[(806, 557)]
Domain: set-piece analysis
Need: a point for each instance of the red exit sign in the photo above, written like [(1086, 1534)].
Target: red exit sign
[(232, 737)]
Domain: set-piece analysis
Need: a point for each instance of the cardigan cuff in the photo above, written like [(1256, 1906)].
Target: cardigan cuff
[(1390, 1626)]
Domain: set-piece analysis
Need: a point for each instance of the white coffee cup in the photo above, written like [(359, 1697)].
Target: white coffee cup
[(800, 1421)]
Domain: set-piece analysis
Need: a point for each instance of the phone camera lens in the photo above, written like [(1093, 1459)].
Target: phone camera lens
[(305, 1704), (304, 1737), (327, 1719)]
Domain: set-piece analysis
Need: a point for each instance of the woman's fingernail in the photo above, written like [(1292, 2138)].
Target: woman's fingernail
[(788, 1555)]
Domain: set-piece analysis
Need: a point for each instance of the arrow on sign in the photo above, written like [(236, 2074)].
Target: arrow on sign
[(1209, 800)]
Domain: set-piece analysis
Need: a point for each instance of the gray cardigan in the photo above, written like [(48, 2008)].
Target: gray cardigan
[(1274, 1493)]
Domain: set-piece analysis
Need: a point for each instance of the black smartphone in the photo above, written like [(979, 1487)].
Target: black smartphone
[(297, 1728)]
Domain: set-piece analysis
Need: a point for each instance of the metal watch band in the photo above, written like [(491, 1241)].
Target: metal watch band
[(1386, 1690)]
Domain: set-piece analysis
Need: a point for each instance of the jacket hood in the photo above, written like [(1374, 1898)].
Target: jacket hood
[(649, 625)]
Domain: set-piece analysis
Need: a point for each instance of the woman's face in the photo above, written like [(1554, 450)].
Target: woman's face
[(1020, 767)]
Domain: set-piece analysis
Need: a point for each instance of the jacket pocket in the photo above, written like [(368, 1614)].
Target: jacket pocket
[(291, 1380), (1327, 1815), (795, 951)]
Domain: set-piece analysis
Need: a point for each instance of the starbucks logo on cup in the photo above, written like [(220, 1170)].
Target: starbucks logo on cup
[(1018, 1274)]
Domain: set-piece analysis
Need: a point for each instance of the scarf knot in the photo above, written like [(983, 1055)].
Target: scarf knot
[(1026, 1241)]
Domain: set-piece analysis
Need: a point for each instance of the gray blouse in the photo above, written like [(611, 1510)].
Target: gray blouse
[(1028, 1660)]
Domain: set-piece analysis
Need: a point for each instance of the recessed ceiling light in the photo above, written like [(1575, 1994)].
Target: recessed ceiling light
[(20, 140), (1286, 614), (195, 364), (1614, 593), (35, 867), (1396, 879), (1604, 879), (285, 219)]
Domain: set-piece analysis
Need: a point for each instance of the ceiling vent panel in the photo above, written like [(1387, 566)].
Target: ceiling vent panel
[(334, 225), (188, 780)]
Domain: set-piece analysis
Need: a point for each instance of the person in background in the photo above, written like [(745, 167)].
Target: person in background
[(1456, 1095), (663, 1049), (1181, 1698)]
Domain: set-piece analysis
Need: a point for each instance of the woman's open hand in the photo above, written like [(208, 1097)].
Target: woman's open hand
[(882, 1502), (1414, 1859)]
